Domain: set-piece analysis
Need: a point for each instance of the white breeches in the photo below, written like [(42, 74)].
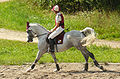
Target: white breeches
[(55, 33)]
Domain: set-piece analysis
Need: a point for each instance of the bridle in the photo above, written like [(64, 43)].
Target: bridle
[(38, 35)]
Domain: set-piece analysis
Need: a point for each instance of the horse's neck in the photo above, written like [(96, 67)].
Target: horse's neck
[(40, 30)]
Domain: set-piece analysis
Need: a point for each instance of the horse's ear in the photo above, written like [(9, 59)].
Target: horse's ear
[(27, 26)]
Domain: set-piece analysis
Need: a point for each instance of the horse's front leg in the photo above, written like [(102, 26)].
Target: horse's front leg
[(54, 57), (39, 54)]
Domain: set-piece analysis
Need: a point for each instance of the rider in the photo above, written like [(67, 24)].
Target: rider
[(59, 26)]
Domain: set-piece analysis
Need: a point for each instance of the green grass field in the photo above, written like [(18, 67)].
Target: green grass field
[(17, 53), (15, 14)]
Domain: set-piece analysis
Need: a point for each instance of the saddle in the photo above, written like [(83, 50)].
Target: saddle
[(58, 39)]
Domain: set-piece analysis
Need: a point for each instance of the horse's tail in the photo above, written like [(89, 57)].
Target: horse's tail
[(90, 36)]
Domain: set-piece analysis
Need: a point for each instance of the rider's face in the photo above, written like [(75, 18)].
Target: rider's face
[(55, 12)]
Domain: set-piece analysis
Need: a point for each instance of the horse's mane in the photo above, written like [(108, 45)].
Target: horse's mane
[(36, 24)]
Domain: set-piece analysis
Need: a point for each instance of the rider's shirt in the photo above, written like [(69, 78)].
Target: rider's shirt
[(59, 18)]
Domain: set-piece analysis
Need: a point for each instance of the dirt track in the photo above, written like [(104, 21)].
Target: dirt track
[(68, 71), (4, 0)]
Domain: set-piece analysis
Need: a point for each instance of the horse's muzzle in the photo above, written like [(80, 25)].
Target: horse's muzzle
[(30, 39)]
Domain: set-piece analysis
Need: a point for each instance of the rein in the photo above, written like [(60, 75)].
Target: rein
[(41, 34)]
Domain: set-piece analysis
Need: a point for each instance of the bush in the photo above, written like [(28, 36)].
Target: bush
[(71, 6)]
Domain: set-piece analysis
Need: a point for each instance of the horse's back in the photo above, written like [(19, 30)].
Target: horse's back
[(74, 34)]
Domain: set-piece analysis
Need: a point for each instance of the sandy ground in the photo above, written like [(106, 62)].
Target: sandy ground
[(4, 0), (68, 71)]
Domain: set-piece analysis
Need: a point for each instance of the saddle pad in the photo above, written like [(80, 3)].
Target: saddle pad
[(59, 38)]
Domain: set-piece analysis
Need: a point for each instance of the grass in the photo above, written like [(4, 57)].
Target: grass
[(15, 14), (14, 52), (17, 53)]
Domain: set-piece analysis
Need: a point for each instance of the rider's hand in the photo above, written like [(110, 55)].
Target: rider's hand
[(50, 32)]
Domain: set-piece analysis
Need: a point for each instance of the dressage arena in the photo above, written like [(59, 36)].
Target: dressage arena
[(68, 71)]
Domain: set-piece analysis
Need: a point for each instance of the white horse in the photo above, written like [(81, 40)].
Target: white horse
[(74, 38)]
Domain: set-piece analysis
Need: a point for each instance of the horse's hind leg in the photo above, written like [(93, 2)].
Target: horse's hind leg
[(54, 57), (86, 53), (95, 61), (86, 59), (86, 56), (39, 54)]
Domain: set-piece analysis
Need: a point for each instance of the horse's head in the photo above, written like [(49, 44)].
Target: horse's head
[(35, 30), (30, 36), (30, 32)]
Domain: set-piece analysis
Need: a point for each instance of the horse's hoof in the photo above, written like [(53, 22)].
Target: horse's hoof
[(104, 70), (101, 67), (56, 70), (28, 70), (85, 70)]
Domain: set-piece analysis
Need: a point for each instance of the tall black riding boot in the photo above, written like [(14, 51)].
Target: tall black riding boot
[(51, 42)]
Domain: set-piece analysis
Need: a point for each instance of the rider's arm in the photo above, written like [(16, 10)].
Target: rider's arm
[(58, 19), (57, 25)]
